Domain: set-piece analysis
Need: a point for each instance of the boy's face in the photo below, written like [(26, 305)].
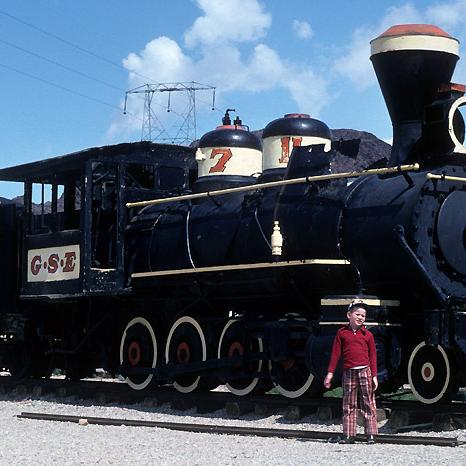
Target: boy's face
[(356, 316)]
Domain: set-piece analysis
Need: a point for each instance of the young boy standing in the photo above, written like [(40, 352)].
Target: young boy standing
[(356, 345)]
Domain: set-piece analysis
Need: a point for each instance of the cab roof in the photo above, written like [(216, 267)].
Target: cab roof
[(59, 168)]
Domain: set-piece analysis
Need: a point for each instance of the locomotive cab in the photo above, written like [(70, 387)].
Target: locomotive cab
[(74, 219)]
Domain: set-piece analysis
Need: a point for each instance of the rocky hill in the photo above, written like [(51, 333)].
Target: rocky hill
[(372, 151)]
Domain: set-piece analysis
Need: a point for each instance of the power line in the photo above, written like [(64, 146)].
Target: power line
[(83, 50), (63, 88), (71, 44), (80, 73), (65, 67)]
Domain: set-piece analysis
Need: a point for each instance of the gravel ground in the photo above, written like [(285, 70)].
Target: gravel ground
[(25, 441)]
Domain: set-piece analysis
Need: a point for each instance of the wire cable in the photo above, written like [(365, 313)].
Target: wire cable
[(71, 44), (66, 89), (261, 230), (65, 67)]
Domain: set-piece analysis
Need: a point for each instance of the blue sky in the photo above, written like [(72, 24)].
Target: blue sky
[(65, 65)]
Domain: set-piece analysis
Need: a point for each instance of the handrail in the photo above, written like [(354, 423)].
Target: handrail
[(273, 184), (432, 176)]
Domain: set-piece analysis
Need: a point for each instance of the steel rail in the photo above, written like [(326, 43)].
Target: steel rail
[(274, 184), (244, 431)]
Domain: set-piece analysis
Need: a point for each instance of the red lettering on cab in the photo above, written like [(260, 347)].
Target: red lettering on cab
[(36, 264), (53, 263), (70, 262)]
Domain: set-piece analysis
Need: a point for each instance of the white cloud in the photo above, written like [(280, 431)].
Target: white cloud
[(447, 15), (229, 57), (354, 63), (263, 71), (161, 60), (450, 16), (302, 29), (226, 21), (266, 70), (309, 91)]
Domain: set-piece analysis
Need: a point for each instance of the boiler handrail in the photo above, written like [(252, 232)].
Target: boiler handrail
[(273, 184)]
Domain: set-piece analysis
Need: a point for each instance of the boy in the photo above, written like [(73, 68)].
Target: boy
[(356, 344)]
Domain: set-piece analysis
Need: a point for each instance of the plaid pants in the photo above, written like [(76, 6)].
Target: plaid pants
[(358, 381)]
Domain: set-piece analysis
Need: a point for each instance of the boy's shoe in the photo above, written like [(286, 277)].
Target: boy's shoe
[(347, 440), (334, 439), (370, 439)]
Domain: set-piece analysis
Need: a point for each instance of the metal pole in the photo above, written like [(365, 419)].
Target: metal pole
[(431, 176)]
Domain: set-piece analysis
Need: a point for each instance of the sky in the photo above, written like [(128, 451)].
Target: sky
[(65, 66)]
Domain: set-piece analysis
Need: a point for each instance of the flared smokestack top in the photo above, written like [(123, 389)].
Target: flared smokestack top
[(411, 62)]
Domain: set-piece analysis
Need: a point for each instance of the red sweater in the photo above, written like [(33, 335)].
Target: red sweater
[(358, 349)]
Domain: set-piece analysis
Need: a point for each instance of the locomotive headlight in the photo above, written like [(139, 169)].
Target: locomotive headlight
[(456, 128)]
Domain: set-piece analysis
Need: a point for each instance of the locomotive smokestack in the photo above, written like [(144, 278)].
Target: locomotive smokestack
[(411, 62)]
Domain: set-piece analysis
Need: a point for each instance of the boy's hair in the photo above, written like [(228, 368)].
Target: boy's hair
[(357, 303)]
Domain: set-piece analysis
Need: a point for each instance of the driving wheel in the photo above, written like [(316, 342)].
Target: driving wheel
[(235, 341), (138, 350), (185, 344), (430, 373)]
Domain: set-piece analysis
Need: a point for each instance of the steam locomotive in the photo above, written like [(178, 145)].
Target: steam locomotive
[(234, 262)]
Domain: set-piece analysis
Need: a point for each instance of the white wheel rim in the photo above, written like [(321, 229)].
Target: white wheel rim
[(302, 390), (410, 377), (293, 393), (195, 324), (145, 323), (246, 390)]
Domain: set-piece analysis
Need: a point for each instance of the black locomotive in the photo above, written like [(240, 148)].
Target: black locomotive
[(235, 262)]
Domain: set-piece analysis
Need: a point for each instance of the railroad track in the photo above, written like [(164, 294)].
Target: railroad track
[(118, 391), (404, 415), (244, 431)]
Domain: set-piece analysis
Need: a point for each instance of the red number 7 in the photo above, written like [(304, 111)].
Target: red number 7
[(226, 155)]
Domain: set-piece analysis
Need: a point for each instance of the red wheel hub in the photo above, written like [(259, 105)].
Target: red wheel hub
[(183, 353), (236, 348), (288, 364), (134, 353), (427, 372)]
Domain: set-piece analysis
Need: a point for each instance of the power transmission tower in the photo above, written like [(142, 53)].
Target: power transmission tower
[(184, 132)]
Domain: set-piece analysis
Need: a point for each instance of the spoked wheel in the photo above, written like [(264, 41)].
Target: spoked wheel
[(186, 344), (138, 349), (430, 373), (234, 341), (291, 377)]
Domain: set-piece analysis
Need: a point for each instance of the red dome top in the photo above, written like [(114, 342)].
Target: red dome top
[(414, 30), (297, 115)]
